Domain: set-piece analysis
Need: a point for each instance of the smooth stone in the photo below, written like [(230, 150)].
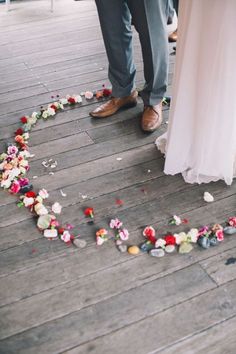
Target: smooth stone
[(50, 233), (26, 188), (170, 248), (44, 221), (185, 247), (122, 248), (230, 230), (157, 252), (133, 250), (79, 243), (146, 247), (213, 241), (204, 242)]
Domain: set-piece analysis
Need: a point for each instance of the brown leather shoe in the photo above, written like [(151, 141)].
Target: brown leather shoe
[(152, 118), (115, 104), (173, 37)]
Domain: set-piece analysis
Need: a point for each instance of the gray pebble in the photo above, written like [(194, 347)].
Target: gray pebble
[(229, 230), (79, 243), (170, 248), (122, 248), (157, 252)]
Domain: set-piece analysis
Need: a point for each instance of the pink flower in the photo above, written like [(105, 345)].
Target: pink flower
[(124, 234), (232, 221), (220, 235), (203, 230), (54, 223), (66, 236), (115, 224), (15, 187), (12, 150)]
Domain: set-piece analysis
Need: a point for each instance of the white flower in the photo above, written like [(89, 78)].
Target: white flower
[(65, 236), (24, 163), (88, 95), (208, 197), (181, 237), (22, 170), (40, 209), (28, 201), (34, 115), (25, 154), (26, 136), (78, 99), (178, 239), (51, 111), (6, 183), (43, 193), (63, 101), (177, 220), (160, 242), (193, 235), (100, 240), (56, 208), (39, 199), (45, 115), (14, 173)]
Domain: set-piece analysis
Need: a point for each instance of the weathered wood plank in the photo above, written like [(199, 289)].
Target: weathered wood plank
[(108, 314), (161, 330), (34, 89), (218, 269), (217, 339), (103, 165), (135, 218), (61, 145)]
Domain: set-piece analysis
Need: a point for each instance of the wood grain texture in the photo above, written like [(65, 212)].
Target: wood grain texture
[(55, 298)]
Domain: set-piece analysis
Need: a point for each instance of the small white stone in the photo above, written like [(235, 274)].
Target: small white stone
[(170, 248), (119, 159), (63, 194), (122, 248), (50, 233), (208, 197), (79, 243), (157, 252)]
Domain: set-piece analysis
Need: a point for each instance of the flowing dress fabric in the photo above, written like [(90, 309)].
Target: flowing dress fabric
[(200, 141)]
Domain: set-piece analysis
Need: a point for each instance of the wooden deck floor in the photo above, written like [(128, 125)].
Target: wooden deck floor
[(58, 299)]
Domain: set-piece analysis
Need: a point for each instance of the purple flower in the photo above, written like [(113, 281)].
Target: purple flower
[(23, 181), (12, 150), (203, 230)]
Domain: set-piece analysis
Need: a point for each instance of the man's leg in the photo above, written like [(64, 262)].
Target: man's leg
[(115, 20), (150, 20)]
